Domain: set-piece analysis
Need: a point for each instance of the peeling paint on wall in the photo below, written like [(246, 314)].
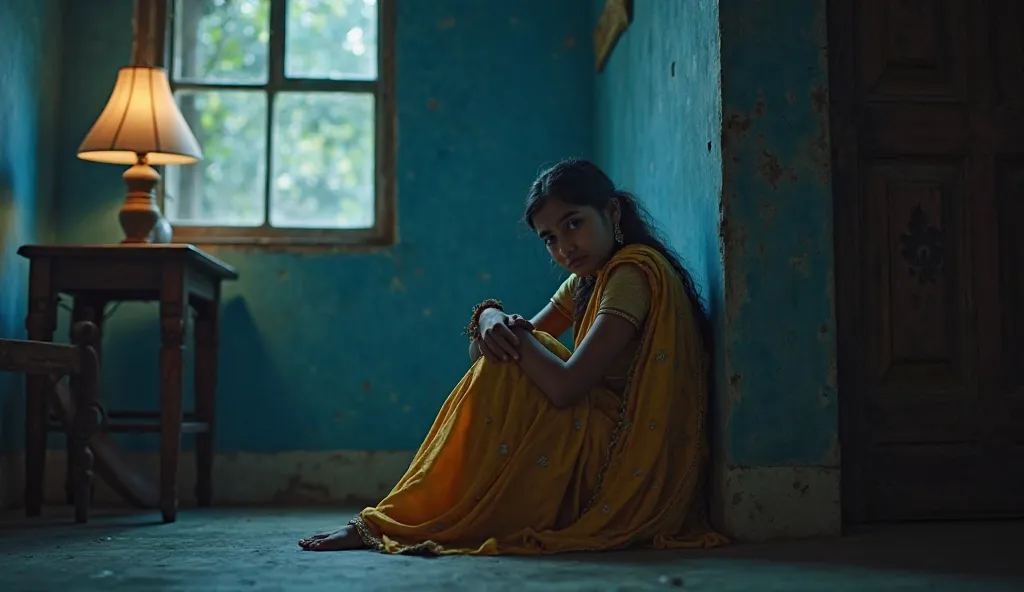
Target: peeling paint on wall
[(777, 235)]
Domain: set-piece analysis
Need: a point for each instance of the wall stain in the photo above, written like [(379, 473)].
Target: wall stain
[(772, 171), (767, 209), (298, 491), (830, 377), (819, 151), (734, 239), (734, 127), (824, 397), (819, 99), (799, 263), (733, 248), (341, 459), (833, 453), (759, 105)]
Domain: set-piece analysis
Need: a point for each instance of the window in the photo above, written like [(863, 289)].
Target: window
[(292, 102)]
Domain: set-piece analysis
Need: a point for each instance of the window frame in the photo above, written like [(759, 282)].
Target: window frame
[(384, 231)]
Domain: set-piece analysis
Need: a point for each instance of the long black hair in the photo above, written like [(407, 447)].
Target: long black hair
[(582, 183)]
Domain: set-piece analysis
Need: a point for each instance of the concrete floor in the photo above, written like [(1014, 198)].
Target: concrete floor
[(247, 549)]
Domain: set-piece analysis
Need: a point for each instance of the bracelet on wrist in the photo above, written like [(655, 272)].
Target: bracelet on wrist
[(473, 329)]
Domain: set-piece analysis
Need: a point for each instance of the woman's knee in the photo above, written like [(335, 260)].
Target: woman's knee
[(545, 339), (553, 345)]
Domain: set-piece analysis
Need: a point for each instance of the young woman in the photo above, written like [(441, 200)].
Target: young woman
[(542, 450)]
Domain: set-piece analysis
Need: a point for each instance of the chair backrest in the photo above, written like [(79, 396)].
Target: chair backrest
[(38, 357)]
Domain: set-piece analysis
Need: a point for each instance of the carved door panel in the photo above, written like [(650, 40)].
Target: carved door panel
[(929, 192)]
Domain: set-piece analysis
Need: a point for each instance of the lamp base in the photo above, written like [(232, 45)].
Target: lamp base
[(140, 216)]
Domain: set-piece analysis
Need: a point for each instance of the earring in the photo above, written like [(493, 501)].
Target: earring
[(618, 233)]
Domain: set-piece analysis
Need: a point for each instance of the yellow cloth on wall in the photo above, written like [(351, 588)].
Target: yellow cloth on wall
[(502, 471)]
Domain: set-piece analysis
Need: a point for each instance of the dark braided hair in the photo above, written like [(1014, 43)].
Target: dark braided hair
[(582, 183)]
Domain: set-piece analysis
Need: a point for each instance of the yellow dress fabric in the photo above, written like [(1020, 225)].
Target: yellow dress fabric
[(628, 295), (502, 471)]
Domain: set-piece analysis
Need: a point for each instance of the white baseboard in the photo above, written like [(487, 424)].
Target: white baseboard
[(764, 503), (330, 477), (748, 504)]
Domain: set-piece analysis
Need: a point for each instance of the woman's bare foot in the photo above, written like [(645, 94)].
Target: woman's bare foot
[(344, 539)]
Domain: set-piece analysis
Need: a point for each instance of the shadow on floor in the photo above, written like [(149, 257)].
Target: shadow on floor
[(255, 549), (990, 549)]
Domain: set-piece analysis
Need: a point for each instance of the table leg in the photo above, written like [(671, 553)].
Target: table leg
[(40, 324), (207, 336), (84, 309), (85, 390), (172, 336)]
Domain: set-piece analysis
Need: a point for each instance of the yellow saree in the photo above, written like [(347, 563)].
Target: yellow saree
[(502, 471)]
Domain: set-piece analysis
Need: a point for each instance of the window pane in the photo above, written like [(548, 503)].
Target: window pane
[(323, 161), (335, 39), (226, 188), (221, 41)]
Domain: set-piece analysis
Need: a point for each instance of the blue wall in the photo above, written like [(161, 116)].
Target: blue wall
[(707, 105), (780, 400), (658, 109), (357, 351), (29, 77)]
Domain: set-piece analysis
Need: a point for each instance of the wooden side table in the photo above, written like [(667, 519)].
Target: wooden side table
[(176, 275)]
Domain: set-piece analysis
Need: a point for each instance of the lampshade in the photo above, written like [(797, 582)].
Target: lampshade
[(141, 119)]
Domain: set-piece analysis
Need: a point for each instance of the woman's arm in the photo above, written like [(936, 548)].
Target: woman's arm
[(565, 383), (549, 320)]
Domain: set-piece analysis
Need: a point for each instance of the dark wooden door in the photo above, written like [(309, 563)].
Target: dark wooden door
[(928, 178)]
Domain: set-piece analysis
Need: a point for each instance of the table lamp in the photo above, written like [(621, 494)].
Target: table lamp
[(141, 126)]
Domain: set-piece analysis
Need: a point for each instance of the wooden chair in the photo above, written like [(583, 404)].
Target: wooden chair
[(80, 362)]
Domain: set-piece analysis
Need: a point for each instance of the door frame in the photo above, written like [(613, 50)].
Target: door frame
[(846, 224)]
